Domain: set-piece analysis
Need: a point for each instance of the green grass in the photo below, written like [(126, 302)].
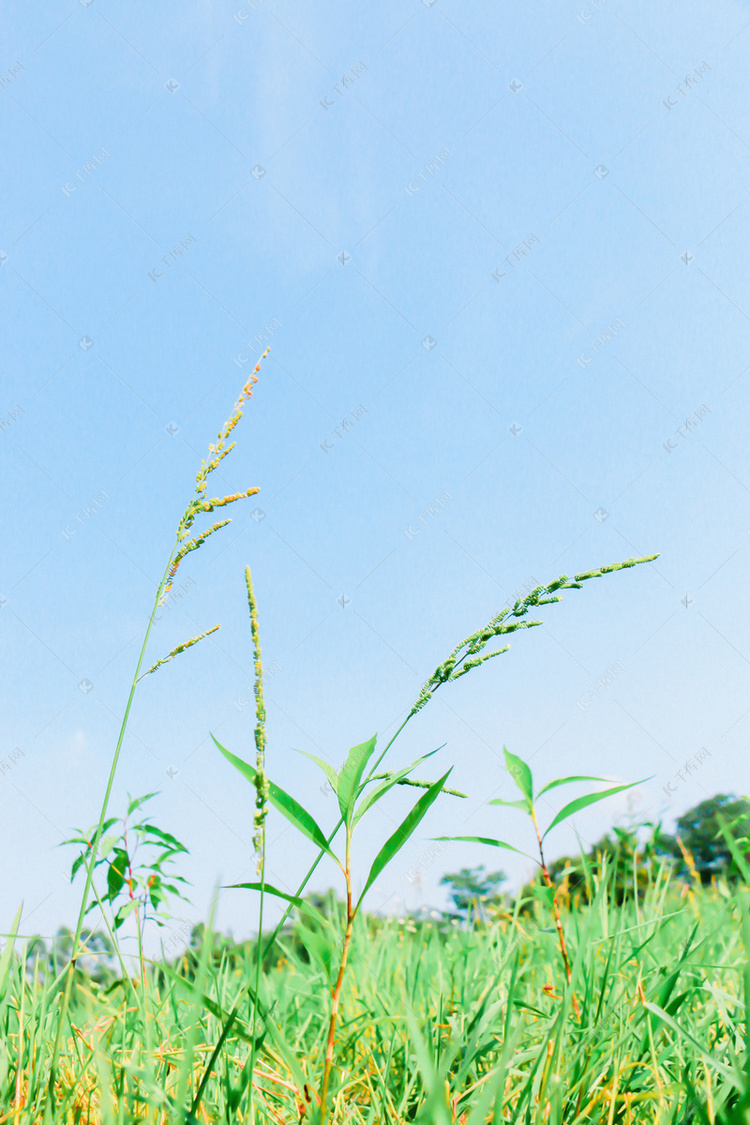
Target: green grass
[(438, 1022), (610, 1008)]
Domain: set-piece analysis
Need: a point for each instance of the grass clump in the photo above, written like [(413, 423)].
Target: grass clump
[(439, 1022)]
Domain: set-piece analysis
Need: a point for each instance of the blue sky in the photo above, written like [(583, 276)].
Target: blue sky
[(499, 254)]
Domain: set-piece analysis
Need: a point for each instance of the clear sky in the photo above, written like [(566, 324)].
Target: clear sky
[(499, 252)]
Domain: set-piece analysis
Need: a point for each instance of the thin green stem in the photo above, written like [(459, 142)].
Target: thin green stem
[(258, 967), (64, 1007)]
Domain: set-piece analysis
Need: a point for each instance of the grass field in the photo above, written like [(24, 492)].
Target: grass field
[(623, 1004), (439, 1021)]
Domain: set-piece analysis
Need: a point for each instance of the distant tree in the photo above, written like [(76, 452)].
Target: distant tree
[(473, 891), (699, 830)]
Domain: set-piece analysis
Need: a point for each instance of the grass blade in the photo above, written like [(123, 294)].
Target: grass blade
[(395, 842)]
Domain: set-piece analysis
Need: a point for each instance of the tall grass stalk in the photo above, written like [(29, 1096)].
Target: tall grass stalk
[(197, 506), (261, 807)]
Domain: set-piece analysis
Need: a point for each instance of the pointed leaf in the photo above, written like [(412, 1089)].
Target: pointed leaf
[(292, 810), (300, 903), (138, 801), (591, 799), (77, 863), (166, 837), (521, 774), (387, 784), (567, 781), (523, 805), (351, 776), (395, 842), (326, 767), (116, 873), (485, 840)]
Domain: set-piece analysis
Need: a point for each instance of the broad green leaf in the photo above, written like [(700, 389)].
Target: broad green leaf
[(351, 776), (485, 840), (523, 805), (395, 842), (300, 903), (567, 781), (386, 785), (584, 802), (116, 873), (521, 774), (292, 810), (326, 767)]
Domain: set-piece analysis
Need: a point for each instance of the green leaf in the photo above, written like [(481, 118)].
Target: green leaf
[(326, 767), (123, 912), (77, 863), (138, 801), (523, 805), (116, 873), (300, 903), (291, 809), (171, 842), (386, 785), (546, 894), (351, 775), (395, 842), (485, 840), (567, 781), (106, 844), (521, 774), (591, 799), (156, 891)]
